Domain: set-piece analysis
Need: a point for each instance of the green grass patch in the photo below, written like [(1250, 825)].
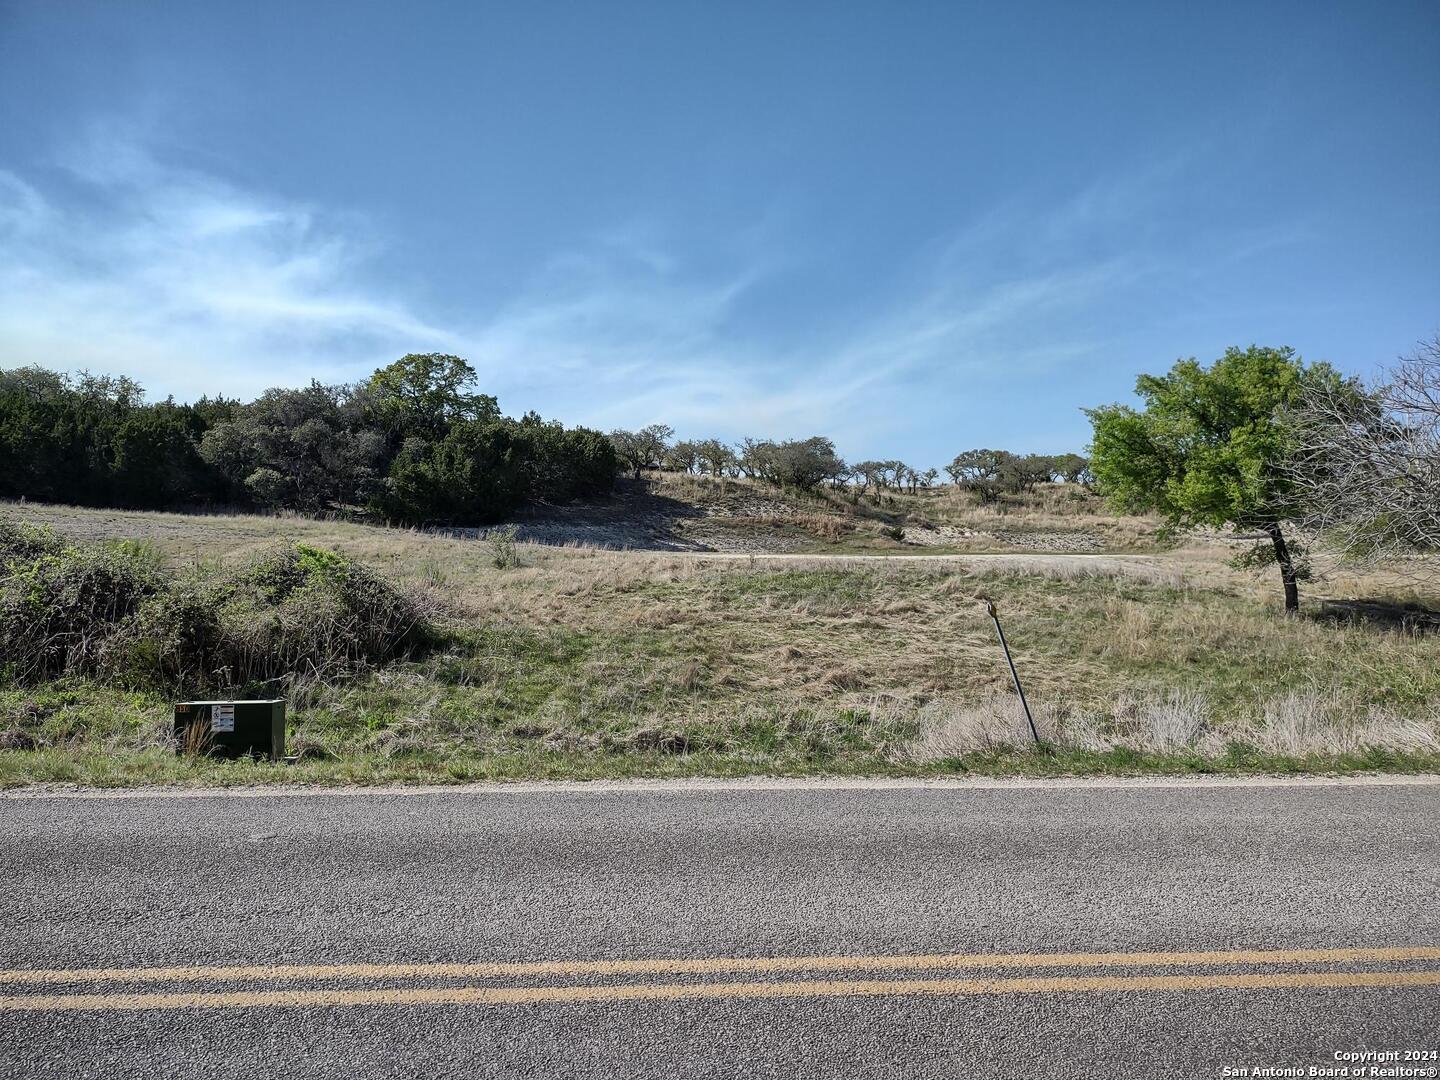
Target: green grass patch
[(156, 767)]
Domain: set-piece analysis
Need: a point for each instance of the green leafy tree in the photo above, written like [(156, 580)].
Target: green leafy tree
[(484, 470), (714, 457), (643, 449), (153, 460), (1212, 446), (566, 463), (1072, 468), (92, 440), (985, 472), (1025, 473), (805, 463), (476, 474), (315, 437), (422, 394)]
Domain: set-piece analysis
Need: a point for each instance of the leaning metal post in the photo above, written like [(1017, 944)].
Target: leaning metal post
[(1015, 675)]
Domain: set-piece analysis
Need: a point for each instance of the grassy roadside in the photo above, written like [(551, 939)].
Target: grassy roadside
[(582, 664), (157, 767)]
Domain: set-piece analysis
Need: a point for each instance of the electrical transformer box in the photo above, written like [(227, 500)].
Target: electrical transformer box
[(231, 729)]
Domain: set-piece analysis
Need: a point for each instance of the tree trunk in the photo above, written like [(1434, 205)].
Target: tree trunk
[(1287, 568)]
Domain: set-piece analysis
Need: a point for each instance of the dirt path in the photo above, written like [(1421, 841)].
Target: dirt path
[(800, 556)]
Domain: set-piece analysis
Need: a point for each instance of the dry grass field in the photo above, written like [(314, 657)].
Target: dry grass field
[(1139, 654)]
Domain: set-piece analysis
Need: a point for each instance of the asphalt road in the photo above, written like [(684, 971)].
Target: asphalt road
[(846, 932)]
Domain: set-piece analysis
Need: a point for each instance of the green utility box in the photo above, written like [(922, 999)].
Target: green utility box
[(231, 729)]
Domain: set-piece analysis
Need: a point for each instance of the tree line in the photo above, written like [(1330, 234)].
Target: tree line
[(814, 462), (415, 444), (1258, 441)]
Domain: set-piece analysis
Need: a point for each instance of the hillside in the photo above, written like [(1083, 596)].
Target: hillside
[(684, 512), (681, 512)]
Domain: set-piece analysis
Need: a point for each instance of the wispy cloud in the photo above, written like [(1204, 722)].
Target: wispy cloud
[(623, 345), (195, 285), (184, 281)]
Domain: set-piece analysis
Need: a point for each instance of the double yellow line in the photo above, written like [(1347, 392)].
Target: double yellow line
[(1284, 978)]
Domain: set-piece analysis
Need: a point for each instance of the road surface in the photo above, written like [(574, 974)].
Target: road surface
[(720, 930)]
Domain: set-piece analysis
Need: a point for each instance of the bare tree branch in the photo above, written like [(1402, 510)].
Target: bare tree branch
[(1368, 460)]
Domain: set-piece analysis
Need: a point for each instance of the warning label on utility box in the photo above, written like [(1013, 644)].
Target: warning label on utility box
[(222, 718)]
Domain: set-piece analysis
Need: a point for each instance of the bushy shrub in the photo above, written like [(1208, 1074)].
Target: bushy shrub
[(501, 541), (300, 609), (59, 606), (22, 543), (111, 611), (175, 640), (268, 487), (294, 612)]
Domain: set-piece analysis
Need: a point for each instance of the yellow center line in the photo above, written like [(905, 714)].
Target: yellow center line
[(712, 965), (539, 995)]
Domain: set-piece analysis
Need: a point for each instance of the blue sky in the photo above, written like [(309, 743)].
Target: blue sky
[(914, 227)]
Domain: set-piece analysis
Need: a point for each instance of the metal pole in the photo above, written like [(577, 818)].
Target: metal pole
[(1015, 675)]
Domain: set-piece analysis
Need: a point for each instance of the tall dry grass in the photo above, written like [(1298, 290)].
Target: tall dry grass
[(1291, 725)]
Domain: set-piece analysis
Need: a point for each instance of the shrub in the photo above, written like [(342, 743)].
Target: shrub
[(825, 526), (291, 613), (268, 487), (57, 607), (294, 612), (176, 640), (23, 543), (303, 609), (502, 547)]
